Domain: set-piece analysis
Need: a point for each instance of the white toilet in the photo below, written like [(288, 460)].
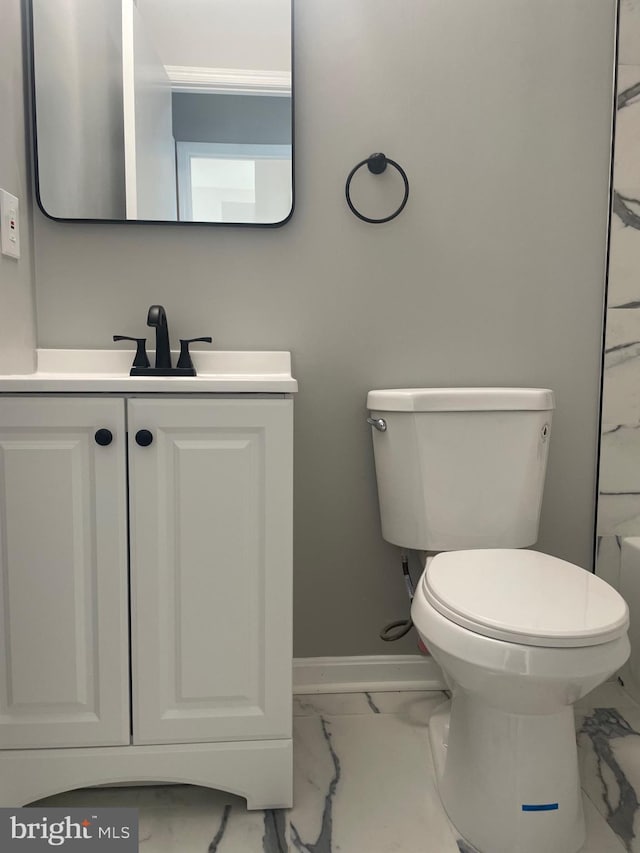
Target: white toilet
[(520, 635)]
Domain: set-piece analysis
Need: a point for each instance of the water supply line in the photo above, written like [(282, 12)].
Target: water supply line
[(400, 627)]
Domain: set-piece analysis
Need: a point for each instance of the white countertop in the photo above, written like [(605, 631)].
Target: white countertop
[(95, 370)]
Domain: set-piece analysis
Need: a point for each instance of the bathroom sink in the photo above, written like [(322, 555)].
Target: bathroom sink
[(91, 370)]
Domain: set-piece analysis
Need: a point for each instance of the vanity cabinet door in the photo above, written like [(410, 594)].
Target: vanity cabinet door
[(211, 517), (64, 677)]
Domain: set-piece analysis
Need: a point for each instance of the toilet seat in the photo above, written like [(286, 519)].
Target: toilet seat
[(524, 597)]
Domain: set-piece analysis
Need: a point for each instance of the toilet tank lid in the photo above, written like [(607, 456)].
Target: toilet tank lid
[(460, 399)]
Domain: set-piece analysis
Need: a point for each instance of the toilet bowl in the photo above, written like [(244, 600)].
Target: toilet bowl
[(520, 637)]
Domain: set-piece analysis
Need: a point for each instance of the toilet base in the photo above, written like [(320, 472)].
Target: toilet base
[(508, 782)]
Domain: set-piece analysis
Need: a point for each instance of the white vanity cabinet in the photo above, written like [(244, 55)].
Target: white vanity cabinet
[(64, 657), (146, 593), (210, 504)]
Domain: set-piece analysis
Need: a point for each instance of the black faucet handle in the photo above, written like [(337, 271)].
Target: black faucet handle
[(141, 359), (185, 356)]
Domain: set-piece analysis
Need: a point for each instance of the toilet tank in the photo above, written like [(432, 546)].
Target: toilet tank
[(461, 468)]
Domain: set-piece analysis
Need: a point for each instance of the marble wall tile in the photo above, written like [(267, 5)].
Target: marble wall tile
[(621, 392), (619, 515), (608, 556), (626, 171), (620, 460), (622, 335), (619, 497), (629, 48), (619, 480), (624, 260)]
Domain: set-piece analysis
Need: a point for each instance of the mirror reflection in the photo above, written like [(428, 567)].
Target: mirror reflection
[(163, 110)]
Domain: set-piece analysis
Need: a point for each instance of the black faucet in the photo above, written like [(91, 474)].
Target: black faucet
[(157, 317)]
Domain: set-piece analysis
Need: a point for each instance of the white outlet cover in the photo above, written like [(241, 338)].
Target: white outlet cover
[(9, 224)]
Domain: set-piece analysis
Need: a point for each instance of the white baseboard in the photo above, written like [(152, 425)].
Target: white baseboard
[(375, 673)]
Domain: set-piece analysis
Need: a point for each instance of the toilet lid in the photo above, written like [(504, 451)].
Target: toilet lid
[(524, 597)]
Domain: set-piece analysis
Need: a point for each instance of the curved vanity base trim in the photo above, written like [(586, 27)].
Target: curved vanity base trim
[(261, 772), (484, 780)]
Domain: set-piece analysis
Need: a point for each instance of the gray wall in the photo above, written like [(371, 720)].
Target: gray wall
[(250, 119), (500, 113), (17, 329)]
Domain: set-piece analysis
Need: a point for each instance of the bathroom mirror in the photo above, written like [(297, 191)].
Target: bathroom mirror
[(163, 110)]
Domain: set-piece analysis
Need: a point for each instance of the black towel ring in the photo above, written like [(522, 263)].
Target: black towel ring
[(377, 163)]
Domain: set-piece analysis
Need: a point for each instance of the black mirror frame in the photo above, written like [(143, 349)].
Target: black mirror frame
[(32, 124)]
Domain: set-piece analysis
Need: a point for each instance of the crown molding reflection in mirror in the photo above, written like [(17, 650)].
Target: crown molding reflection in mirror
[(119, 86), (221, 81)]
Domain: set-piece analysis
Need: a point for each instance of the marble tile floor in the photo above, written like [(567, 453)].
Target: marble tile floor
[(364, 783)]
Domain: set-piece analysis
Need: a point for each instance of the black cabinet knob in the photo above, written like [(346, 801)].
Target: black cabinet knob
[(103, 437), (144, 437)]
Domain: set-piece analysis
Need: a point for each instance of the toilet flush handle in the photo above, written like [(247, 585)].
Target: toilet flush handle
[(378, 423)]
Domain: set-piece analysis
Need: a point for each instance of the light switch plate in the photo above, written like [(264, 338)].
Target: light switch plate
[(9, 225)]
